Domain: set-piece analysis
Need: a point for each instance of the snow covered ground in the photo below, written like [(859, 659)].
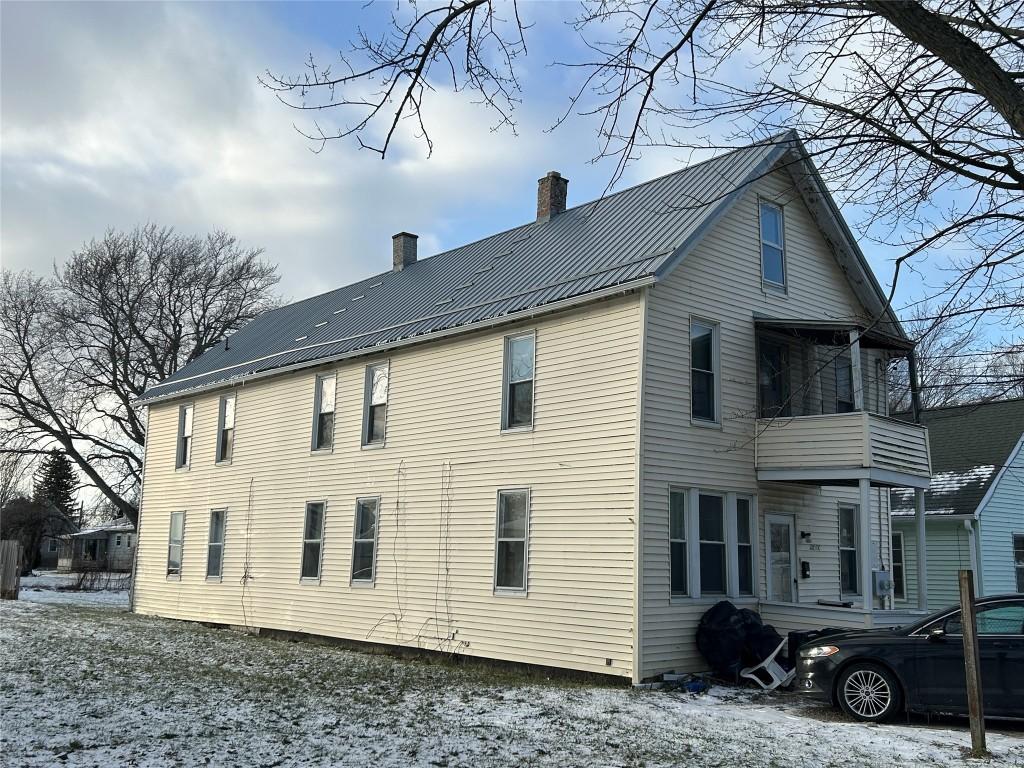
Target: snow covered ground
[(84, 683)]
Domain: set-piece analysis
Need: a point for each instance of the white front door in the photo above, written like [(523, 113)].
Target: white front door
[(781, 558)]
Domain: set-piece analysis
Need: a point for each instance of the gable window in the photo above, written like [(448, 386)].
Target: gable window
[(711, 527), (1018, 559), (744, 547), (215, 546), (703, 370), (312, 540), (849, 582), (899, 579), (844, 383), (226, 428), (519, 368), (323, 412), (773, 379), (184, 450), (175, 542), (511, 540), (364, 545), (677, 541), (773, 259), (375, 414)]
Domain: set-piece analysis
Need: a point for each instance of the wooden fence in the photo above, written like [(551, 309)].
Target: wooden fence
[(10, 569)]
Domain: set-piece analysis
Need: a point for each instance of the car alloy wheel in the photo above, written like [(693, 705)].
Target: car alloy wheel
[(868, 692)]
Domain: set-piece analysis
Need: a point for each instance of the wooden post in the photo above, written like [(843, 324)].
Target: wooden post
[(10, 569), (971, 668)]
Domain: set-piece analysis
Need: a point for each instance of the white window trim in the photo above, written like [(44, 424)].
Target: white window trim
[(732, 542), (506, 383), (323, 538), (1013, 553), (180, 435), (52, 545), (716, 371), (354, 582), (856, 547), (181, 563), (367, 386), (782, 287), (686, 541), (223, 541), (725, 538), (512, 591), (903, 564), (316, 414), (221, 414)]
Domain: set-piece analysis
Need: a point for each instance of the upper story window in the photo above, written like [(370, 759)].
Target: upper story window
[(184, 451), (511, 540), (323, 412), (704, 370), (226, 428), (364, 544), (375, 412), (844, 383), (773, 371), (519, 368), (773, 259)]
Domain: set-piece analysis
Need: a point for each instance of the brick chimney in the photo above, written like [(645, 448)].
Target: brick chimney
[(551, 192), (403, 250)]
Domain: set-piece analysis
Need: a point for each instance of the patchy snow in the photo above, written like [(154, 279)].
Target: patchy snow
[(53, 587), (942, 484), (94, 686)]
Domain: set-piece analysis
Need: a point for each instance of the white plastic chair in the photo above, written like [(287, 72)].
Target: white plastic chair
[(769, 674)]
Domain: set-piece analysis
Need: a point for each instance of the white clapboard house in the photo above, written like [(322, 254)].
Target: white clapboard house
[(558, 445)]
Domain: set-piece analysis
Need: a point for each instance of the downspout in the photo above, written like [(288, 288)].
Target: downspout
[(638, 533), (919, 505)]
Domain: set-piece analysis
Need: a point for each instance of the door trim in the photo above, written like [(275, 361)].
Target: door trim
[(789, 520)]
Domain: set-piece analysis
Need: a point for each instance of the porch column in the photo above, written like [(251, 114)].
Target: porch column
[(922, 551), (856, 372), (865, 547)]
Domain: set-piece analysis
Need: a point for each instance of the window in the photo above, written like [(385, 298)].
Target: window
[(773, 379), (844, 383), (52, 547), (117, 540), (376, 412), (993, 619), (711, 525), (899, 578), (226, 428), (175, 540), (677, 541), (312, 540), (519, 366), (323, 409), (513, 527), (364, 545), (184, 452), (1018, 559), (848, 579), (773, 261), (129, 541), (744, 547), (703, 371), (215, 547)]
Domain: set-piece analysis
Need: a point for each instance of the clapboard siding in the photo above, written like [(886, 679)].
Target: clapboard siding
[(437, 478), (948, 552), (720, 280), (1001, 518)]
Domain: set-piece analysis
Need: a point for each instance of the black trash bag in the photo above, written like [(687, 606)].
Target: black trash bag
[(720, 639)]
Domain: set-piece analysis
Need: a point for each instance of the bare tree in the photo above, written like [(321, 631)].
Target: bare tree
[(15, 467), (913, 110), (126, 311)]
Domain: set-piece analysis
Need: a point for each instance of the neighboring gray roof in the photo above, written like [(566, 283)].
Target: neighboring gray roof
[(969, 444), (625, 240), (120, 525)]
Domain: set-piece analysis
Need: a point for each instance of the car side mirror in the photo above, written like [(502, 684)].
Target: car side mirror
[(937, 635)]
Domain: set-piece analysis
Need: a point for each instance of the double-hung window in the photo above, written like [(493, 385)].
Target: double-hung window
[(1018, 559), (848, 579), (175, 543), (899, 578), (512, 541), (711, 526), (773, 254), (744, 546), (677, 542), (519, 369), (52, 546), (226, 428), (323, 412), (375, 412), (117, 540), (215, 545), (364, 543), (312, 540), (184, 449), (703, 370)]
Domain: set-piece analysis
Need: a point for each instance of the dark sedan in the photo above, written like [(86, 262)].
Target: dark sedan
[(874, 674)]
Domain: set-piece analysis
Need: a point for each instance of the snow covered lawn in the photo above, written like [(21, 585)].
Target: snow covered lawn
[(91, 685)]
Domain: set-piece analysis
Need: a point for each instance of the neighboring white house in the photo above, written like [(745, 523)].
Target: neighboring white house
[(558, 445), (975, 505)]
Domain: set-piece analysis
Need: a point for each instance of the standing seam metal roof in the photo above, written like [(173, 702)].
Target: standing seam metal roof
[(622, 239)]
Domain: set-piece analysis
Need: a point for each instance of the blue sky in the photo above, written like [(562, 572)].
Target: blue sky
[(119, 114)]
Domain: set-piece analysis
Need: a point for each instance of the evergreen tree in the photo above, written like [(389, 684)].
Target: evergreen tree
[(57, 483)]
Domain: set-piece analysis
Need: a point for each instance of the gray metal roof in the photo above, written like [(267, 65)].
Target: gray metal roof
[(623, 240)]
